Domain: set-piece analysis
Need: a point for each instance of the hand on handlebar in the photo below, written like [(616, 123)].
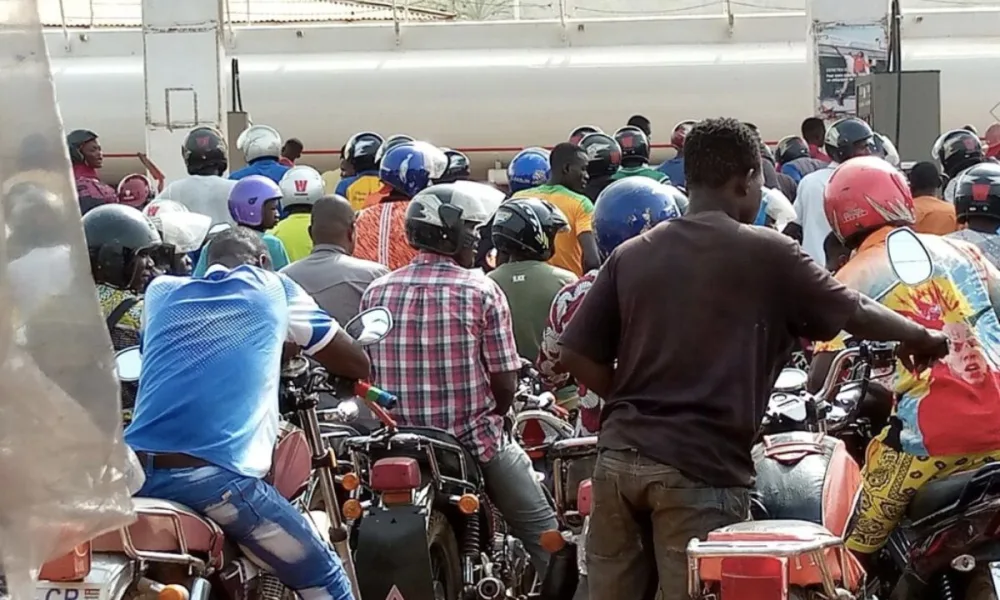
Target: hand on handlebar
[(917, 355)]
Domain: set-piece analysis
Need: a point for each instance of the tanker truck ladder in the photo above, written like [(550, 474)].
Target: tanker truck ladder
[(183, 54)]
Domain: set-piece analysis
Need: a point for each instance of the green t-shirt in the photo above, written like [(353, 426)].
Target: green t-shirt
[(643, 171), (530, 287)]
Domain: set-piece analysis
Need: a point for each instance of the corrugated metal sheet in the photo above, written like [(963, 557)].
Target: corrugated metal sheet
[(128, 13)]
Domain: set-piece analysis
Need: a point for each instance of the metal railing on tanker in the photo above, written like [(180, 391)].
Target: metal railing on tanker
[(62, 460)]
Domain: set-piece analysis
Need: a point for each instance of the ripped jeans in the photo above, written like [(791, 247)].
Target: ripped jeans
[(267, 527)]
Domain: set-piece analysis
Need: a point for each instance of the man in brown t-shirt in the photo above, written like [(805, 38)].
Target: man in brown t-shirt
[(700, 314)]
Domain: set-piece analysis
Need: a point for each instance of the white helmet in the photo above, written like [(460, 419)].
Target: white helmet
[(259, 141), (185, 231), (301, 185), (888, 150)]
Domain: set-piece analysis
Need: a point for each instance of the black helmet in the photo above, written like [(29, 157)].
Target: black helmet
[(634, 144), (604, 155), (791, 148), (848, 138), (75, 140), (581, 132), (458, 166), (205, 151), (390, 143), (115, 234), (528, 226), (362, 151), (436, 219), (957, 150), (978, 192)]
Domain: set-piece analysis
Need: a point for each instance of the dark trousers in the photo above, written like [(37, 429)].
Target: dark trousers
[(644, 514)]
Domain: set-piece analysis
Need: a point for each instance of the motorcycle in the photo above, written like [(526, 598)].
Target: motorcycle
[(428, 496), (174, 553)]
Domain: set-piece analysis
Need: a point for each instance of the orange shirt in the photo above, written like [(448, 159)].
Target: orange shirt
[(377, 196), (934, 216), (380, 234)]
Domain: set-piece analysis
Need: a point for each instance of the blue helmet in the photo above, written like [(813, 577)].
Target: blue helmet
[(530, 168), (628, 207), (411, 167)]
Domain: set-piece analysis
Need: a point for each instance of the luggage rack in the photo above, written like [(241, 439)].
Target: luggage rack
[(416, 441), (184, 557)]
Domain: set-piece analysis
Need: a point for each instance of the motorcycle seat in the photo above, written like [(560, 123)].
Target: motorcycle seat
[(938, 494), (155, 531)]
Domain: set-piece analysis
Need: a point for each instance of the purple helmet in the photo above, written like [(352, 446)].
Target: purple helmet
[(246, 201)]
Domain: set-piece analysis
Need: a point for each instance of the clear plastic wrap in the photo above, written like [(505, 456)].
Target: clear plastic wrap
[(63, 464)]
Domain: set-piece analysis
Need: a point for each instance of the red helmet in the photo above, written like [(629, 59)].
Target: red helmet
[(136, 190), (864, 194), (680, 133)]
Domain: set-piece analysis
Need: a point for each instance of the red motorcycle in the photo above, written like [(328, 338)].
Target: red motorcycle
[(174, 553)]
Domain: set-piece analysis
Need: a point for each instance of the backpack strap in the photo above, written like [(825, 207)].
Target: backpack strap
[(119, 312)]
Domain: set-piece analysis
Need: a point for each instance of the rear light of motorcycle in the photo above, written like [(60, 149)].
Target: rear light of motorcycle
[(584, 497), (533, 436), (72, 566), (754, 578), (395, 478)]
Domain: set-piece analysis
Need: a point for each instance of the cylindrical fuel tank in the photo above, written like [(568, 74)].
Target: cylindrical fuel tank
[(491, 89)]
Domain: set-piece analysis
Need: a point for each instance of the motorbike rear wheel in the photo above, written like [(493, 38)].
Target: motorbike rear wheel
[(442, 546)]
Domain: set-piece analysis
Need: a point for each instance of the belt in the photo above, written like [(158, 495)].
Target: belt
[(170, 460)]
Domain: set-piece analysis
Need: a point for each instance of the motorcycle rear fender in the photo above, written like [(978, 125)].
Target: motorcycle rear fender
[(392, 553)]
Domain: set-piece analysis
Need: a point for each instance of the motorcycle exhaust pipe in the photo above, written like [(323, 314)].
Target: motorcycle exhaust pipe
[(490, 588)]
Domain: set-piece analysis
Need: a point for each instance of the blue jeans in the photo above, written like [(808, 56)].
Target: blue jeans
[(266, 526), (511, 485)]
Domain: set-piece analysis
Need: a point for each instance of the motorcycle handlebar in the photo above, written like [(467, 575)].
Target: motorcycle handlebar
[(825, 393), (378, 401)]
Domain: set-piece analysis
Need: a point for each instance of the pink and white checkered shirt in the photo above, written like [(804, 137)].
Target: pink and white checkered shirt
[(452, 330)]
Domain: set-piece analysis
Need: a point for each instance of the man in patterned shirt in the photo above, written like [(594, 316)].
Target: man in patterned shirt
[(977, 206), (451, 358)]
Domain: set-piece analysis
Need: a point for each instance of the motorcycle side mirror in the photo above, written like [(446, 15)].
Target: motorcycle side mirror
[(910, 260), (371, 326), (128, 364), (791, 380)]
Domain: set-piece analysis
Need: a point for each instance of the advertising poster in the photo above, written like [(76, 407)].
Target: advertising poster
[(845, 51)]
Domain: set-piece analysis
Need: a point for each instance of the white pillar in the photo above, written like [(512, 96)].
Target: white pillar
[(183, 72), (843, 35)]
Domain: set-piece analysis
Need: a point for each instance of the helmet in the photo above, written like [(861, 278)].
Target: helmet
[(603, 153), (362, 151), (393, 141), (75, 140), (867, 193), (301, 186), (205, 147), (153, 210), (886, 149), (581, 132), (978, 192), (136, 190), (679, 197), (115, 235), (458, 166), (247, 199), (437, 216), (791, 148), (259, 141), (627, 208), (848, 138), (411, 167), (957, 150), (680, 133), (634, 145), (530, 168), (528, 226)]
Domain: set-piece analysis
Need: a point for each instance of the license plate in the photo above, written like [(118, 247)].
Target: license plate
[(995, 577), (50, 590)]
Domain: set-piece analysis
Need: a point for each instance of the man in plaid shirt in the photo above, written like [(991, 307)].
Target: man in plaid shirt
[(451, 358)]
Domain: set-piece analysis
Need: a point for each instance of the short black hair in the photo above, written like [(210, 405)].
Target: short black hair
[(295, 143), (641, 122), (563, 154), (833, 248), (924, 177), (813, 128), (717, 150), (236, 246)]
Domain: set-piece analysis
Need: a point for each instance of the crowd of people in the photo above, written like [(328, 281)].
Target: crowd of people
[(659, 303)]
